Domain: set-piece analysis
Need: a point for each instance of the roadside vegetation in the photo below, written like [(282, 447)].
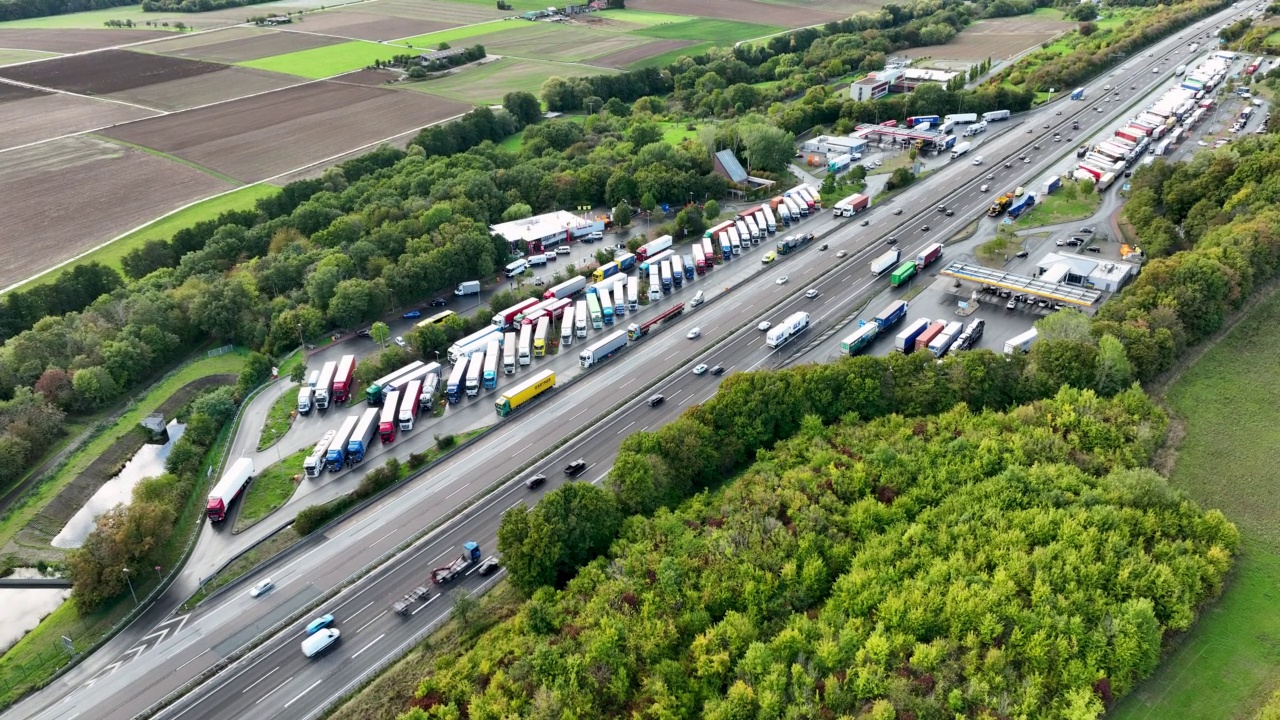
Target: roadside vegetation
[(279, 419), (1065, 204), (270, 490), (244, 562)]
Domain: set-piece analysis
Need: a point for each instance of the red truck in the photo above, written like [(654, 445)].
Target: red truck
[(410, 401), (929, 334), (506, 317), (343, 378), (928, 255), (387, 420)]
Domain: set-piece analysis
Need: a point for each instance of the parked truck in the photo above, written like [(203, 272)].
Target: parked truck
[(1022, 204), (457, 378), (635, 331), (362, 437), (492, 357), (943, 342), (1020, 343), (508, 316), (961, 149), (928, 255), (995, 115), (653, 247), (522, 393), (469, 287), (603, 349), (793, 325), (373, 394), (962, 118), (475, 342), (336, 456), (475, 366), (388, 420), (569, 287), (860, 339), (306, 399), (889, 316), (229, 487), (509, 353), (905, 342), (343, 379), (410, 404), (580, 318), (885, 262), (930, 333), (470, 556), (314, 463), (324, 386)]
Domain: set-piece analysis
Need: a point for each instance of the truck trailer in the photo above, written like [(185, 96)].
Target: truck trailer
[(509, 353), (336, 456), (961, 149), (540, 339), (388, 418), (379, 388), (475, 366), (229, 487), (580, 318), (522, 393), (306, 399), (793, 325), (603, 349), (885, 262), (930, 333), (343, 379), (1020, 343), (928, 255), (362, 437), (524, 350), (653, 247), (410, 404), (470, 556), (508, 316), (457, 379), (860, 339), (492, 356), (314, 463), (892, 313), (566, 332), (905, 342), (635, 331), (324, 386), (569, 287)]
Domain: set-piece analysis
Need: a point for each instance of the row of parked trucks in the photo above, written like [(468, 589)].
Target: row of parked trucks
[(938, 337), (332, 383)]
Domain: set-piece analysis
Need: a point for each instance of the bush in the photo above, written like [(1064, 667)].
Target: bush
[(444, 442), (377, 480), (417, 460)]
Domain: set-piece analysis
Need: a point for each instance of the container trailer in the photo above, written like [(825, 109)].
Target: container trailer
[(389, 417), (336, 456), (603, 349), (362, 437), (229, 487), (860, 339), (885, 262), (517, 396), (792, 326), (410, 404)]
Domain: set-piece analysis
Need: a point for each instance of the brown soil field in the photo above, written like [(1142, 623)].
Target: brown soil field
[(996, 39), (742, 10), (66, 196), (231, 83), (369, 78), (844, 7), (13, 93), (239, 44), (370, 26), (441, 11), (51, 115), (108, 71), (624, 58), (69, 41), (262, 136)]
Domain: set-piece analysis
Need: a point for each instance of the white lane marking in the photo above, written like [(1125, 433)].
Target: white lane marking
[(514, 504), (366, 607), (304, 692), (264, 677), (384, 537), (191, 660), (374, 620), (423, 606), (264, 697), (434, 559), (455, 492), (633, 422), (366, 647)]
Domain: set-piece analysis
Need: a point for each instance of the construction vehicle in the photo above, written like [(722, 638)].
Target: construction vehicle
[(1000, 205)]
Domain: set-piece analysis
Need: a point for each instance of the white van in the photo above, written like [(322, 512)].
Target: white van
[(977, 160), (516, 268), (537, 260), (984, 188), (320, 641)]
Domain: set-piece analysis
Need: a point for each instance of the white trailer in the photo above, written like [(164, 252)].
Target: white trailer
[(230, 486), (509, 353), (619, 293), (324, 387), (735, 243), (566, 327), (762, 223), (655, 284), (744, 230), (474, 369), (961, 149), (1021, 343), (602, 349), (525, 349), (633, 293), (787, 329), (580, 318), (770, 223)]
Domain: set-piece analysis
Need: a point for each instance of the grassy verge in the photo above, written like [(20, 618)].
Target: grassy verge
[(1060, 207), (390, 693), (21, 514), (270, 490), (164, 228), (279, 420), (250, 559), (32, 663), (1227, 666)]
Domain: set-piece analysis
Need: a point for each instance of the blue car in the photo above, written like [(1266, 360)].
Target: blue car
[(412, 315), (319, 624)]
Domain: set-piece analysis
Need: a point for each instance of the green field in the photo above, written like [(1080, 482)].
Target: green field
[(164, 228), (279, 420), (721, 32), (517, 5), (1228, 664), (675, 133), (1059, 208), (324, 62), (9, 56), (90, 19), (270, 490), (641, 17), (431, 40), (486, 84)]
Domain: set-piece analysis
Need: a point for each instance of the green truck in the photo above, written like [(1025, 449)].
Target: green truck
[(905, 272)]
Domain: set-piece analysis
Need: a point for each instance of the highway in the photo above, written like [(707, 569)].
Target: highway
[(277, 681)]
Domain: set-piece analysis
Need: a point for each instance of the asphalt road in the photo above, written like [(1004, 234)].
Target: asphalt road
[(278, 681)]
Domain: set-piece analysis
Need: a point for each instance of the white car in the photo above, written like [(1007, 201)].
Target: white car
[(699, 370), (695, 333), (811, 293), (764, 325), (400, 341), (782, 280), (261, 588)]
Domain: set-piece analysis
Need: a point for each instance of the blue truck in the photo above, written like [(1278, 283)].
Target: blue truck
[(625, 261), (689, 267), (362, 438), (905, 342), (1022, 204), (892, 314), (1077, 94), (336, 456)]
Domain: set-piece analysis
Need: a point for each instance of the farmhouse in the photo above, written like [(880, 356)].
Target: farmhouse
[(440, 54), (547, 230)]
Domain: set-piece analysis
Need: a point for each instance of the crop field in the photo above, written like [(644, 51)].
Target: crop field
[(996, 39), (69, 41), (239, 44), (844, 7), (764, 13), (31, 115), (9, 57), (66, 196), (670, 56), (641, 18), (722, 32), (439, 11), (1227, 665), (561, 43), (646, 52), (326, 61), (263, 136), (231, 83), (488, 83), (431, 40), (362, 25), (108, 71)]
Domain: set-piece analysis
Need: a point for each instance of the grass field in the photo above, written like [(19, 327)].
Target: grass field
[(270, 490), (671, 56), (1228, 664), (9, 56), (164, 228), (517, 5), (90, 19), (487, 84), (324, 62), (451, 36), (675, 133), (279, 420), (1059, 208), (721, 32), (641, 17)]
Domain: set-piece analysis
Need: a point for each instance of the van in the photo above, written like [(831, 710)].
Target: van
[(516, 268), (320, 641), (697, 299), (537, 260), (984, 188), (977, 160)]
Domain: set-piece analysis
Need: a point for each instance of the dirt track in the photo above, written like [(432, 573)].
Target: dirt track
[(108, 71), (743, 11), (262, 136)]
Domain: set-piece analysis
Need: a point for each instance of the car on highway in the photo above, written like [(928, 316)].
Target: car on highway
[(319, 624), (363, 333), (1155, 71), (412, 315), (576, 468), (1026, 160), (811, 293), (950, 213), (924, 228), (866, 223), (1020, 254), (487, 567), (1087, 229), (695, 333), (768, 257), (535, 481), (1046, 126), (808, 236), (942, 208), (823, 246), (764, 325), (656, 400), (781, 281), (898, 211), (717, 370), (1058, 113), (841, 254), (439, 302), (891, 240), (401, 342), (700, 369), (262, 588)]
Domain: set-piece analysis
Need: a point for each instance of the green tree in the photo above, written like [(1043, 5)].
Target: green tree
[(711, 210), (1114, 371), (523, 106), (545, 545), (517, 211), (380, 333), (622, 214), (94, 387)]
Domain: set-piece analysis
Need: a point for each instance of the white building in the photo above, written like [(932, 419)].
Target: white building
[(834, 145), (548, 230), (1069, 269)]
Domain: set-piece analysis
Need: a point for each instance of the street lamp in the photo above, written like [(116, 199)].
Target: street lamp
[(437, 352), (128, 580)]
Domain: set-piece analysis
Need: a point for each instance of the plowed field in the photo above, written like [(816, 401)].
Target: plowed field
[(49, 115), (108, 71), (198, 90), (69, 41), (370, 26), (636, 54), (240, 44), (265, 135), (996, 39)]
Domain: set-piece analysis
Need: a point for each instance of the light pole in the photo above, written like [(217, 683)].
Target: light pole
[(128, 580), (437, 352)]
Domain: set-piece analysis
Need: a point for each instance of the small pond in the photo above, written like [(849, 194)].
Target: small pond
[(24, 609)]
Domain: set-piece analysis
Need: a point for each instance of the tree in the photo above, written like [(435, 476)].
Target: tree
[(298, 374), (622, 215), (766, 147), (1114, 371), (517, 211), (523, 106), (94, 388), (1087, 29), (545, 545), (55, 385), (711, 210), (648, 203), (465, 609), (380, 333)]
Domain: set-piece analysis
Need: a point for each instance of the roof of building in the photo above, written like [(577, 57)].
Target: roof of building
[(539, 226), (441, 54), (1021, 283), (732, 166), (1082, 266), (941, 76)]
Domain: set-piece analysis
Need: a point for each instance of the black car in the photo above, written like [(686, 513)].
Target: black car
[(439, 302), (891, 241), (576, 468), (924, 228), (717, 370), (363, 333), (656, 400), (535, 481), (489, 565), (1020, 253), (950, 213), (1094, 248)]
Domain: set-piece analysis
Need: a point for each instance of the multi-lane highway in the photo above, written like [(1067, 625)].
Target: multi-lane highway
[(277, 681)]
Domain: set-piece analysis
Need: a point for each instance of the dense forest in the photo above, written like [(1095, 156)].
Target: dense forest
[(971, 564)]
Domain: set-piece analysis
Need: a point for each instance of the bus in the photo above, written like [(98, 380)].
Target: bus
[(509, 353), (436, 319), (540, 337), (566, 328), (524, 351)]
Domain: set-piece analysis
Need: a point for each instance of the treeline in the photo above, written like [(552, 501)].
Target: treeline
[(29, 424), (1098, 49), (969, 564), (194, 6), (22, 9)]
